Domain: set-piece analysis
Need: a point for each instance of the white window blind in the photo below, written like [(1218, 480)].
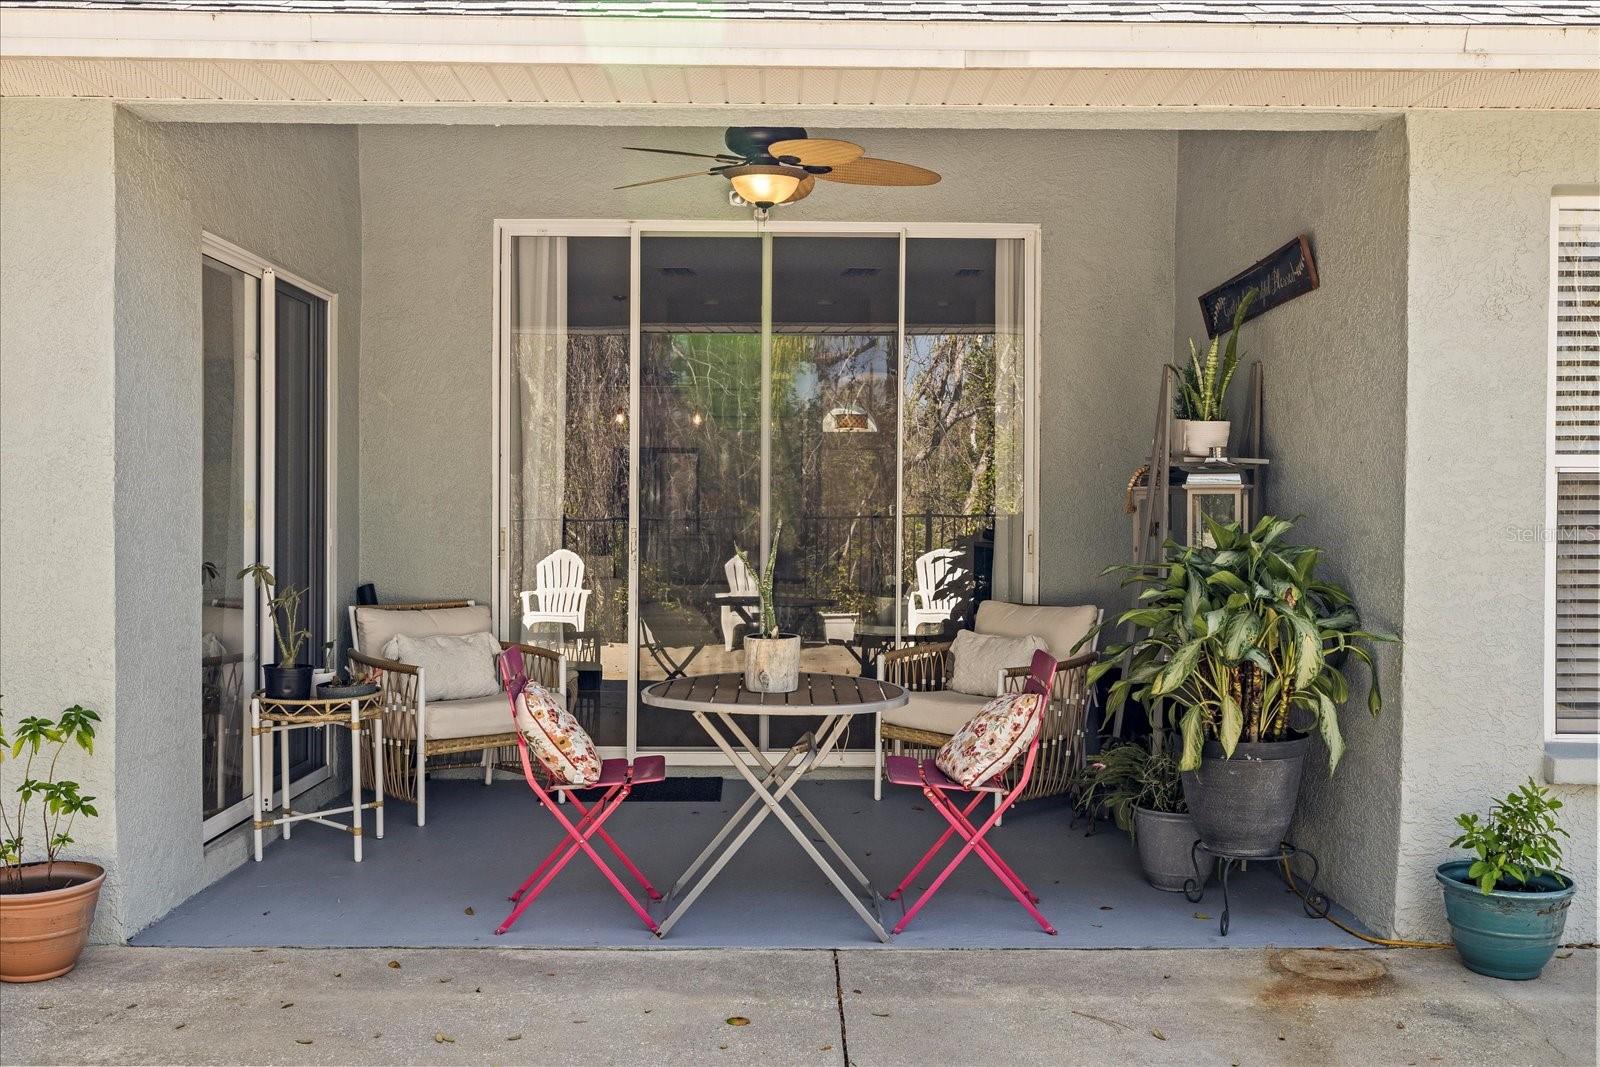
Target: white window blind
[(1575, 466)]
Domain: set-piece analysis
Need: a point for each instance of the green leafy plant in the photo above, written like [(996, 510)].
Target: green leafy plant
[(764, 583), (284, 607), (1203, 381), (1237, 636), (59, 801), (1516, 843), (1128, 776)]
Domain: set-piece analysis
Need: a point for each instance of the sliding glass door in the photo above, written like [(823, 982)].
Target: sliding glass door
[(265, 367), (674, 394)]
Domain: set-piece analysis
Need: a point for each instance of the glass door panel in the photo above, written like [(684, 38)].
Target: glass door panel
[(567, 458), (963, 529), (699, 462), (835, 375), (300, 482), (229, 338)]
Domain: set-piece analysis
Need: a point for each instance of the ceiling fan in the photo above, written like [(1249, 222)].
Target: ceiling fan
[(771, 165)]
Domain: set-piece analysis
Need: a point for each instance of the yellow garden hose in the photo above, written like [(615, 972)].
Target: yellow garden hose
[(1386, 942)]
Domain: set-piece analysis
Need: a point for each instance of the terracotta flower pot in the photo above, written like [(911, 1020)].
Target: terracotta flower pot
[(44, 927)]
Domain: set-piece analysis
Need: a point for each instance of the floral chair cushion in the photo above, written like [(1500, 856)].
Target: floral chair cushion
[(555, 737), (991, 740)]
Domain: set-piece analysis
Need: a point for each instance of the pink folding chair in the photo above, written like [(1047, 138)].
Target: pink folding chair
[(617, 779), (937, 787)]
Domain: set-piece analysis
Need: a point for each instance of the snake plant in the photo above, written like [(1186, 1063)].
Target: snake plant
[(764, 580), (1238, 637), (1203, 381)]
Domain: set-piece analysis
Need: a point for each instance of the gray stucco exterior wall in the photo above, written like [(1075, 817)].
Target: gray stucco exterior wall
[(430, 195), (102, 432), (1333, 365), (1477, 381), (58, 442), (290, 194)]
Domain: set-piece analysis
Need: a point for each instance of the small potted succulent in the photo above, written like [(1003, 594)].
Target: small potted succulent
[(1142, 793), (1200, 404), (771, 658), (288, 678), (47, 905), (1507, 906)]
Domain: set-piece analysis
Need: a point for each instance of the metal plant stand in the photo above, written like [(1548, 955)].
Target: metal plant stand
[(1311, 898)]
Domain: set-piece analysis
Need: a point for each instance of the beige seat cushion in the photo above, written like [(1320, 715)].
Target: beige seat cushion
[(1061, 627), (377, 626), (449, 719), (940, 711)]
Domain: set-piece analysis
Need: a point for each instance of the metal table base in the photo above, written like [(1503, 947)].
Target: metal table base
[(769, 794)]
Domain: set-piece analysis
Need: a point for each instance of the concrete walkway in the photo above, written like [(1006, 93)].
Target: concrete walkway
[(460, 1006)]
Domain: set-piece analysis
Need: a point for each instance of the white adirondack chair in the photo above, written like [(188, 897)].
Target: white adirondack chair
[(937, 597), (559, 596), (741, 583)]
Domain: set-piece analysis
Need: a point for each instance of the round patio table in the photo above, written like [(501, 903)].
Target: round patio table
[(714, 700)]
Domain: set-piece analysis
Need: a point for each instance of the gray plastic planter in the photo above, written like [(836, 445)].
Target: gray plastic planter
[(1243, 806), (1166, 847)]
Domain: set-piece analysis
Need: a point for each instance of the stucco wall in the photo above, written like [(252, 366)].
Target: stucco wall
[(1475, 484), (430, 196), (57, 445), (1333, 364), (287, 193)]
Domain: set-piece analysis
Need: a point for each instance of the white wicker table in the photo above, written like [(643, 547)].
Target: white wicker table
[(362, 716), (715, 700)]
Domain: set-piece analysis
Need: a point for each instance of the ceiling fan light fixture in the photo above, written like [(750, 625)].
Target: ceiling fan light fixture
[(763, 185)]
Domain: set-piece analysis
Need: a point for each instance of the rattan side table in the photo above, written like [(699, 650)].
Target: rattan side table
[(361, 716)]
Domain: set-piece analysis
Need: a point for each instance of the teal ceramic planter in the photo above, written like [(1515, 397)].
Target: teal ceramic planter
[(1504, 934)]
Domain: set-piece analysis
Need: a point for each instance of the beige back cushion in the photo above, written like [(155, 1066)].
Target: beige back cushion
[(377, 626), (1061, 627)]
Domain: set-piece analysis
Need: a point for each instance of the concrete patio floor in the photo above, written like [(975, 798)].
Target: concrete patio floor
[(445, 885), (515, 1006)]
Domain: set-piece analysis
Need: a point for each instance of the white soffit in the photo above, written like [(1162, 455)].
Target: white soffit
[(356, 64)]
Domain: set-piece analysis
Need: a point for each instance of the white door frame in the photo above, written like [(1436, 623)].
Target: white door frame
[(634, 230), (259, 500)]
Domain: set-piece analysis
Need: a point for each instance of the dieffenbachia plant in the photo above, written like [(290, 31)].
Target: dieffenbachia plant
[(1239, 636)]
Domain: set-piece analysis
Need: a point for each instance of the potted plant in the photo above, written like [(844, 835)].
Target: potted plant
[(771, 658), (1508, 906), (1141, 792), (46, 906), (288, 678), (326, 674), (1200, 404), (1248, 644)]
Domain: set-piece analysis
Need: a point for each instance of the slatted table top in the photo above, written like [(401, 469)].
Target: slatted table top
[(817, 694)]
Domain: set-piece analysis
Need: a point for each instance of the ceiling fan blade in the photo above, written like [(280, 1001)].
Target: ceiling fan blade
[(668, 178), (803, 190), (691, 155), (817, 151), (869, 171)]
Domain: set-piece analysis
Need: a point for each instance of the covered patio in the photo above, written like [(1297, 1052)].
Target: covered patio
[(446, 884), (412, 319)]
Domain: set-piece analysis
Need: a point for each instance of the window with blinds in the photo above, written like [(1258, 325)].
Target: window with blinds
[(1575, 465)]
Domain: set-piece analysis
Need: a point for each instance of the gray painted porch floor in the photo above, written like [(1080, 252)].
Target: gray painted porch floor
[(415, 886)]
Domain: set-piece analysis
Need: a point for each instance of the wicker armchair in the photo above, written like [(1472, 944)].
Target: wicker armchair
[(409, 740), (925, 669)]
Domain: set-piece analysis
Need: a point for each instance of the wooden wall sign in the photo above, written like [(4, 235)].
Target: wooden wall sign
[(1279, 278)]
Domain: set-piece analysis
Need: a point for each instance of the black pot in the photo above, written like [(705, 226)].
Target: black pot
[(286, 683), (1166, 848), (1243, 806)]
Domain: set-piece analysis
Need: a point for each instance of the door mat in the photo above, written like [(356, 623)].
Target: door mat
[(705, 790)]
